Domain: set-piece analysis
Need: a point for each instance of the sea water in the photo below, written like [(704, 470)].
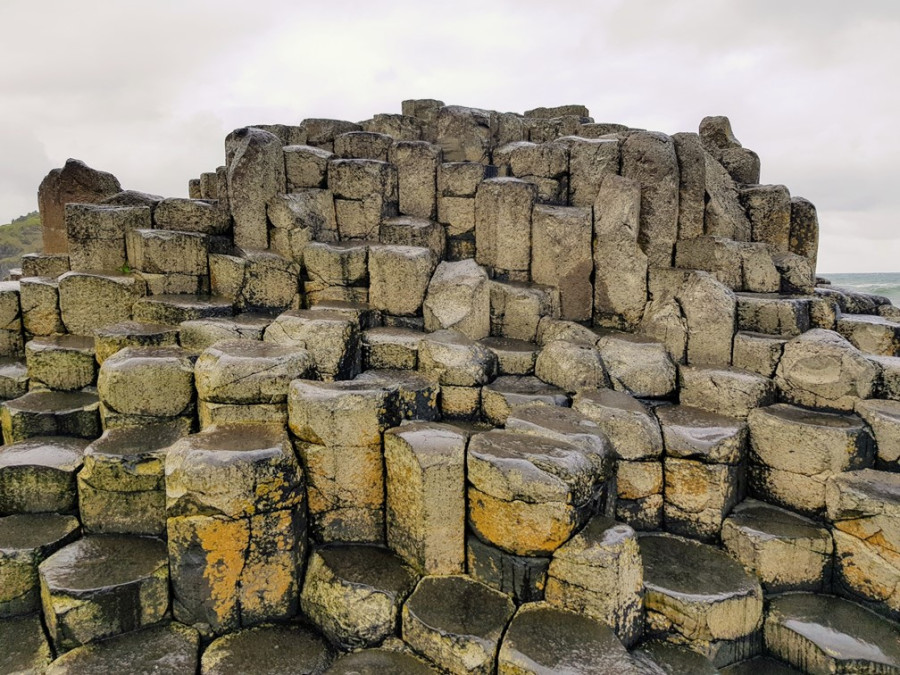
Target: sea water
[(876, 283)]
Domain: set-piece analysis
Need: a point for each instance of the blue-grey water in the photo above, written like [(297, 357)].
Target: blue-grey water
[(877, 283)]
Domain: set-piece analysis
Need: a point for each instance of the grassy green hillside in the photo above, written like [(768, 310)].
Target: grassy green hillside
[(22, 235)]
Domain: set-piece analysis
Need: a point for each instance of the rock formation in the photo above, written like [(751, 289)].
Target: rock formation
[(451, 390)]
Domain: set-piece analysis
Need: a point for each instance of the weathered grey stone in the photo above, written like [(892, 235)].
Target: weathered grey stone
[(456, 360), (517, 309), (322, 132), (649, 158), (167, 252), (464, 134), (62, 362), (305, 167), (514, 357), (561, 256), (276, 649), (461, 179), (10, 320), (823, 370), (547, 639), (757, 352), (740, 265), (209, 414), (715, 608), (340, 264), (411, 231), (44, 264), (198, 334), (637, 365), (170, 647), (590, 160), (51, 413), (39, 298), (121, 488), (725, 216), (255, 172), (26, 540), (365, 193), (716, 133), (115, 337), (727, 391), (691, 184), (375, 661), (362, 145), (503, 213), (360, 312), (795, 271), (401, 127), (399, 277), (509, 391), (772, 314), (74, 182), (235, 502), (102, 586), (804, 231), (698, 496), (769, 211), (300, 218), (598, 572), (13, 379), (91, 301), (354, 593), (665, 657), (522, 577), (883, 418), (417, 165), (821, 633), (693, 433), (786, 551), (415, 395), (870, 334), (459, 297), (256, 279), (426, 505), (742, 164), (863, 506), (390, 348), (96, 235), (632, 429), (173, 284), (332, 340), (456, 622), (528, 494), (620, 266), (821, 445), (570, 366), (156, 381), (26, 648), (191, 215)]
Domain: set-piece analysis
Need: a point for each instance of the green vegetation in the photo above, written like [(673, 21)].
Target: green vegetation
[(22, 235)]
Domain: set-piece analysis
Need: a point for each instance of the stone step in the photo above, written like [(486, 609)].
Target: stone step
[(365, 315), (110, 339), (697, 595), (740, 265), (353, 594), (374, 661), (255, 279), (61, 362), (509, 391), (871, 334), (26, 540), (883, 418), (172, 310), (514, 357), (786, 551), (825, 634), (457, 623), (165, 648), (198, 334), (417, 394), (51, 413), (637, 364), (102, 586), (25, 647), (13, 379), (90, 301), (727, 391), (671, 659), (386, 347), (517, 308), (757, 352), (276, 649), (773, 314), (331, 338), (37, 475), (794, 451), (546, 639), (760, 664)]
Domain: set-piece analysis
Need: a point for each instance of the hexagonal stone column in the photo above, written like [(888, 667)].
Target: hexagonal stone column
[(338, 427), (51, 413), (110, 339), (25, 646), (456, 622), (13, 379), (725, 391), (391, 348), (331, 339), (353, 594), (38, 475), (373, 661), (822, 444), (883, 417), (528, 494), (417, 395), (280, 650), (236, 526), (522, 577), (462, 366), (102, 586), (426, 496), (26, 540), (824, 634), (697, 595), (63, 362), (599, 572), (508, 391), (547, 639), (786, 551), (121, 488)]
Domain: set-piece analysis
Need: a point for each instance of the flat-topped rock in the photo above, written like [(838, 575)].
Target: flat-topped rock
[(353, 594), (699, 595), (522, 577), (377, 661), (566, 424), (102, 586), (527, 493), (13, 379), (110, 339), (673, 659), (38, 475), (172, 310), (547, 639), (198, 334), (773, 314), (630, 426), (883, 418), (637, 365), (760, 664), (51, 413), (514, 357), (62, 362), (26, 540), (153, 381), (456, 622), (332, 339), (416, 394), (25, 647), (121, 488), (166, 648), (90, 301), (757, 352), (391, 348), (508, 391), (459, 298), (825, 634), (821, 444), (870, 334), (694, 433), (727, 391), (425, 500), (273, 649), (786, 551), (456, 360), (571, 366)]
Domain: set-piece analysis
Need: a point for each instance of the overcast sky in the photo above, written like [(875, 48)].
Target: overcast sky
[(148, 90)]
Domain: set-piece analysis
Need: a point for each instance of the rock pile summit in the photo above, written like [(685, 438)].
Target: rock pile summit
[(450, 390)]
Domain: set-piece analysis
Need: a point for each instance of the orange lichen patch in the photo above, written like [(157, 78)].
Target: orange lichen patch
[(520, 527)]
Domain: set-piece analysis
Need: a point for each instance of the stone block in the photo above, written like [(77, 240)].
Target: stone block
[(255, 174), (13, 379), (804, 239), (365, 193), (363, 145), (772, 314), (38, 475), (631, 428), (167, 252), (115, 337), (199, 216), (455, 360), (305, 167), (757, 352), (742, 266), (522, 577), (458, 214), (883, 418), (517, 309), (725, 215), (400, 127), (769, 211), (691, 184), (271, 648), (571, 366), (300, 218), (209, 414), (63, 362), (412, 231), (331, 339), (639, 494), (398, 278), (458, 298), (338, 263), (698, 496), (391, 348), (322, 132), (870, 334), (461, 179), (91, 301), (464, 134), (590, 160), (96, 234), (51, 413), (44, 264), (416, 395), (514, 357), (503, 209), (156, 381), (509, 391), (727, 391), (561, 256), (637, 365), (417, 165)]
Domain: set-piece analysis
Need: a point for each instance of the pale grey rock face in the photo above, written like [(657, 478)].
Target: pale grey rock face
[(91, 301), (271, 648), (191, 215), (503, 212), (757, 352), (305, 167), (96, 235), (772, 314), (517, 309), (870, 334), (769, 211), (255, 173), (363, 145), (637, 365), (804, 230), (883, 418), (561, 256), (691, 184), (156, 381), (331, 339), (727, 391), (413, 231), (716, 134), (456, 360), (399, 277), (464, 134), (590, 160), (571, 366), (724, 216), (509, 391), (417, 165), (459, 298)]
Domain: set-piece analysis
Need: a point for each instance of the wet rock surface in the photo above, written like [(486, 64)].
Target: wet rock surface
[(38, 475), (274, 649), (375, 661), (25, 648)]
